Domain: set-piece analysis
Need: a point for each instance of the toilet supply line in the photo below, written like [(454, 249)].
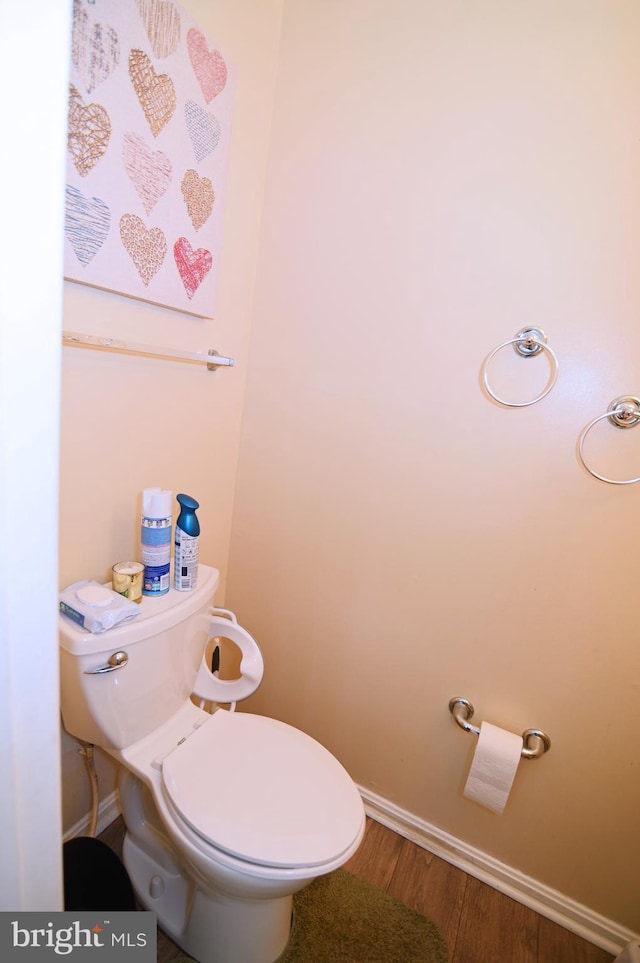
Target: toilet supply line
[(86, 750)]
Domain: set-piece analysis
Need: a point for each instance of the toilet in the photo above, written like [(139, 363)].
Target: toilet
[(227, 813)]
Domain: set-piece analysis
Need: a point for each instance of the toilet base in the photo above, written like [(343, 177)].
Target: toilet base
[(211, 927)]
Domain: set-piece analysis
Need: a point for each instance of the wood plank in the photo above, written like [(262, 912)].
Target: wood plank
[(376, 859), (557, 945), (430, 886), (494, 928)]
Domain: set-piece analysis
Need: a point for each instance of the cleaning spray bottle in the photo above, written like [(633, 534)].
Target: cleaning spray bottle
[(185, 567), (155, 541)]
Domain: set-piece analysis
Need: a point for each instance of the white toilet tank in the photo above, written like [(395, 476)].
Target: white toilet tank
[(162, 648)]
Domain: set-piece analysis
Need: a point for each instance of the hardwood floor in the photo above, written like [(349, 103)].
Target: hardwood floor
[(479, 924)]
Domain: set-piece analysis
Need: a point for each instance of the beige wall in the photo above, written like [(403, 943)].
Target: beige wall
[(128, 422), (441, 175)]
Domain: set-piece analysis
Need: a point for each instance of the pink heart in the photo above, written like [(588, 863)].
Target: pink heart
[(208, 66), (150, 171), (193, 266)]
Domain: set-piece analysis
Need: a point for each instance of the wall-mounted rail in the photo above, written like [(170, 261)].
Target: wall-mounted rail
[(212, 359)]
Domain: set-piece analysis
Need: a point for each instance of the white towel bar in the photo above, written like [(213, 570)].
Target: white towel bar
[(212, 359)]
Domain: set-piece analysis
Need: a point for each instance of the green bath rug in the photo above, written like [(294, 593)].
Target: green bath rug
[(342, 919)]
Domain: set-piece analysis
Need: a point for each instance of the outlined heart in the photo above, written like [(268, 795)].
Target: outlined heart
[(88, 133), (193, 266), (95, 49), (155, 92), (204, 130), (86, 224), (208, 65), (146, 248), (199, 196), (161, 20), (149, 171)]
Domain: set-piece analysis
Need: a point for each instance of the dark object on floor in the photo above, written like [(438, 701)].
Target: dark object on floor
[(94, 877)]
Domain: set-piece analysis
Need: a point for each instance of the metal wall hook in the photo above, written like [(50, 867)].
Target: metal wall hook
[(527, 343), (535, 741), (623, 412)]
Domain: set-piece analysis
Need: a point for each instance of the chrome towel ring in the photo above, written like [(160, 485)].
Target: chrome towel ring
[(528, 343), (623, 412)]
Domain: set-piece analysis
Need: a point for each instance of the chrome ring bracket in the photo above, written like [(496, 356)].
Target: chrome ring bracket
[(116, 661), (462, 710), (535, 742), (623, 412), (530, 342), (527, 343)]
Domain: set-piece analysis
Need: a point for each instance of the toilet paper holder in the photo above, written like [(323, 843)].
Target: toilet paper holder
[(535, 742)]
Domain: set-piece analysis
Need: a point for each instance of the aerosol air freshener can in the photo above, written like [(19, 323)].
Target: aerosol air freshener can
[(185, 564), (155, 540)]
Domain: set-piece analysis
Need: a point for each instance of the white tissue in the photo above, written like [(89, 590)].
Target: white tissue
[(494, 766), (94, 607)]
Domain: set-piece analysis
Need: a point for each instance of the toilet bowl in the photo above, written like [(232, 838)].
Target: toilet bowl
[(228, 814)]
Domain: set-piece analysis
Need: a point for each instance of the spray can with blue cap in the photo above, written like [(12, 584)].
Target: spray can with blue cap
[(155, 541), (185, 567)]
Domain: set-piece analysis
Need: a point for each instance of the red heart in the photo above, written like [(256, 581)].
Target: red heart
[(193, 266)]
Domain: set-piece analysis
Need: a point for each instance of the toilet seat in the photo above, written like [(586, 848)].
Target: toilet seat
[(263, 791)]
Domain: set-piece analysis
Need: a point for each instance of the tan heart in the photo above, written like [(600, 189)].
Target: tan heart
[(198, 196), (162, 23), (88, 133), (146, 248), (150, 171), (155, 92)]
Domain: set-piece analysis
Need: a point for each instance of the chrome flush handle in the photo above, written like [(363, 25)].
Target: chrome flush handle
[(115, 661)]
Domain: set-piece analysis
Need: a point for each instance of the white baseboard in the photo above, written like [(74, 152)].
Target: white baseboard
[(605, 933), (108, 810)]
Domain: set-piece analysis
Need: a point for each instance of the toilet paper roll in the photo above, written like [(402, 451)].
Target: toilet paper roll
[(494, 766)]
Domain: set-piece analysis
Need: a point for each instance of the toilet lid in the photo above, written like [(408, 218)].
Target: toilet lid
[(263, 791)]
